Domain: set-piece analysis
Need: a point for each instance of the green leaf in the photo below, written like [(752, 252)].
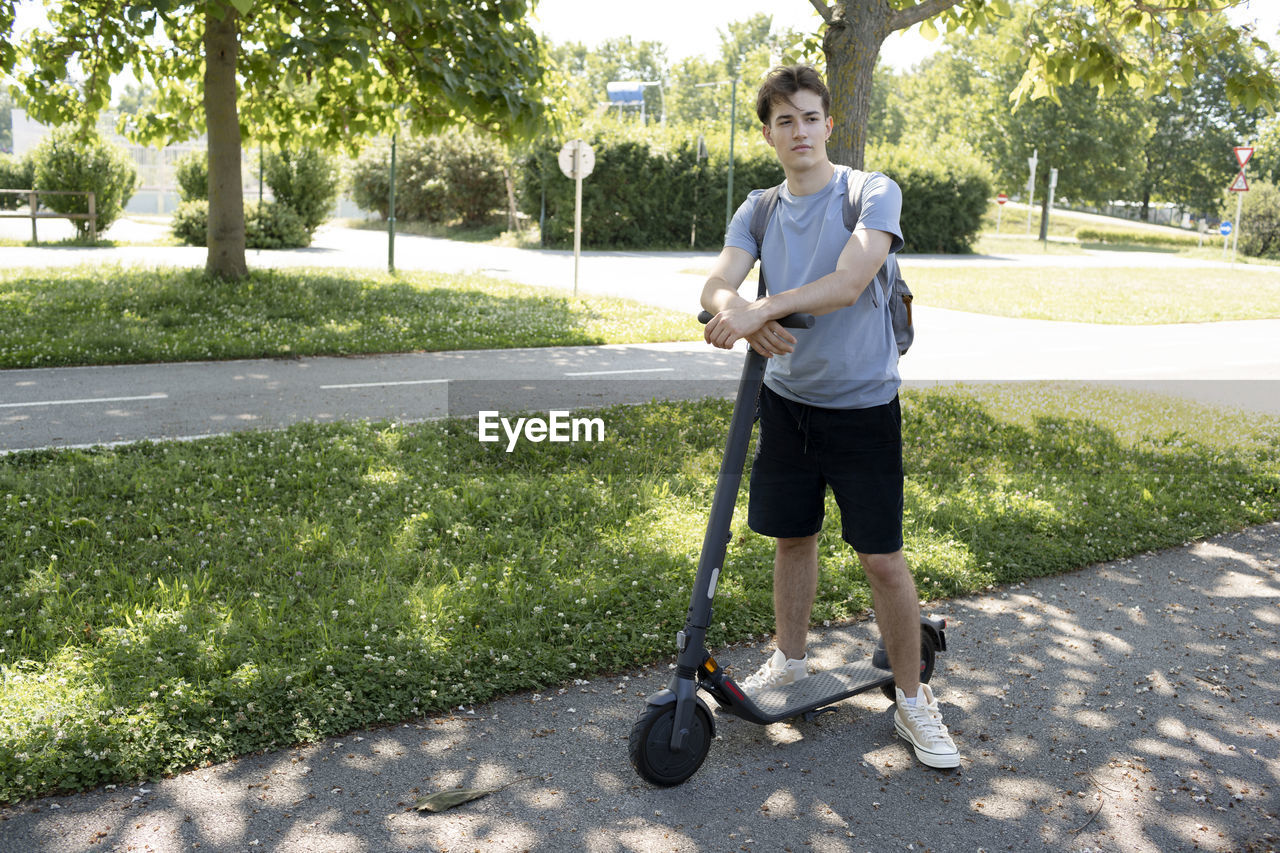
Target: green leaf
[(928, 30), (445, 800)]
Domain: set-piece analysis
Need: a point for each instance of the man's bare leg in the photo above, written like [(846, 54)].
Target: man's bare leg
[(795, 584), (893, 592)]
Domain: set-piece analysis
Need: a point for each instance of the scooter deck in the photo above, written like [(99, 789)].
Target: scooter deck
[(815, 691)]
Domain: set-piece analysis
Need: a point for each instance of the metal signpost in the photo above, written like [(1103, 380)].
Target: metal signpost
[(1031, 187), (1048, 209), (1224, 228), (1001, 200), (577, 160), (733, 126), (1238, 186)]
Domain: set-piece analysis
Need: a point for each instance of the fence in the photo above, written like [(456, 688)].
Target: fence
[(33, 200)]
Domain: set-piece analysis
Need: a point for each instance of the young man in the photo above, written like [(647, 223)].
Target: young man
[(829, 410)]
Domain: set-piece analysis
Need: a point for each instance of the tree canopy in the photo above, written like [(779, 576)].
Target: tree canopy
[(1110, 44), (284, 72)]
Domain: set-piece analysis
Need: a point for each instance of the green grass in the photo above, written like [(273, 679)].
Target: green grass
[(1112, 295), (163, 606), (116, 315), (992, 244), (493, 232)]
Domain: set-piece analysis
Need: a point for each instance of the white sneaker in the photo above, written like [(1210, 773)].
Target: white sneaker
[(921, 725), (776, 671)]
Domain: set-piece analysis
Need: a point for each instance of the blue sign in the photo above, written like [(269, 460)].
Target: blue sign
[(1224, 229), (626, 93)]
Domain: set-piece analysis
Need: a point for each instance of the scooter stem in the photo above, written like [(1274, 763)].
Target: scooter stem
[(691, 642)]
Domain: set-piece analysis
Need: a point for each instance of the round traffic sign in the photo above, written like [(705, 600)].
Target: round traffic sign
[(586, 158), (1224, 229), (1002, 198)]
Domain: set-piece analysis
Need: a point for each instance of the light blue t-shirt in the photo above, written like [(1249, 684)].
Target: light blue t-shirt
[(849, 359)]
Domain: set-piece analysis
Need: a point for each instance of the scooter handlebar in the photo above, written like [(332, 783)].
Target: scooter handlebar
[(791, 321)]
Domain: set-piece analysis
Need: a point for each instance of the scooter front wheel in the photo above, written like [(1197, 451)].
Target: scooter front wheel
[(650, 745)]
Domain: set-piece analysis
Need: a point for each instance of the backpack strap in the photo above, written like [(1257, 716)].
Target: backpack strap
[(760, 217), (853, 210)]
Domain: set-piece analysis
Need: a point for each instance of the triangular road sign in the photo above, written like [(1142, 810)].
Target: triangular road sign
[(1241, 185), (1242, 155)]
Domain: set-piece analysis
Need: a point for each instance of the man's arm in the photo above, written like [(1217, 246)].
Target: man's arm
[(720, 295), (857, 265)]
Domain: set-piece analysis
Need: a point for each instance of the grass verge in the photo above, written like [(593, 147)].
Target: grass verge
[(163, 606), (493, 232), (119, 315), (1131, 296)]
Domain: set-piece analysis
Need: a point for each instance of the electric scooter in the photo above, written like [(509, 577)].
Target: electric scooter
[(673, 733)]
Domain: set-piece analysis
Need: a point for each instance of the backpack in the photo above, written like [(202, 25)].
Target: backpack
[(898, 295)]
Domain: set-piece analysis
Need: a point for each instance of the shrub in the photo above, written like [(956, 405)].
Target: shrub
[(16, 173), (944, 196), (69, 159), (371, 179), (269, 226), (1260, 221), (190, 222), (274, 225), (192, 173), (473, 176), (436, 181), (305, 180)]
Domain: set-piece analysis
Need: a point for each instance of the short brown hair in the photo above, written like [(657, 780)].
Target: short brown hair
[(783, 82)]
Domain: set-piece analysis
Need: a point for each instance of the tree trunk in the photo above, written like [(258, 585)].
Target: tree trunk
[(852, 45), (226, 194)]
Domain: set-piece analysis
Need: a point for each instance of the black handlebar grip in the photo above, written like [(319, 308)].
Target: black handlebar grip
[(791, 321)]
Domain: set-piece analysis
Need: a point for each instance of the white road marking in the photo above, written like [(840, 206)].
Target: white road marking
[(608, 372), (157, 396), (382, 384)]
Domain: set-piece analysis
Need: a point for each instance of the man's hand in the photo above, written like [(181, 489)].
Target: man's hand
[(765, 336)]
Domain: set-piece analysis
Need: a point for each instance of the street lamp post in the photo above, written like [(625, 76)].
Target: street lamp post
[(733, 128)]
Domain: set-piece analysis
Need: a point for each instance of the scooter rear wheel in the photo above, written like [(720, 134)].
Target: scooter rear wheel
[(928, 656), (650, 745)]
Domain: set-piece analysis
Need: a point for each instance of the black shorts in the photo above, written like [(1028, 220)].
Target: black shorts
[(802, 449)]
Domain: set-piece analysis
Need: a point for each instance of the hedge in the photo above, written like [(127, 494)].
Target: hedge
[(944, 197), (1141, 238), (650, 192), (644, 192)]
